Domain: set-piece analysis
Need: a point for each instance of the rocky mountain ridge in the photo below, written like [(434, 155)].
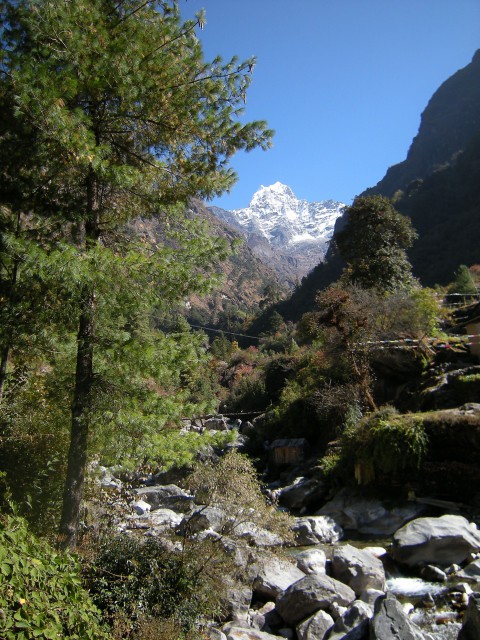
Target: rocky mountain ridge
[(289, 234), (448, 123)]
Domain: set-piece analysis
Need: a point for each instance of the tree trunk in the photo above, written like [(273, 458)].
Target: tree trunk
[(77, 454), (84, 376), (3, 369)]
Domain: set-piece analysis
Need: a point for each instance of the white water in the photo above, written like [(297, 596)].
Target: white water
[(414, 587)]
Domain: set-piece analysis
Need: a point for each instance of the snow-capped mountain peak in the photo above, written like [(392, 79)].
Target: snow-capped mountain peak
[(279, 216), (297, 229)]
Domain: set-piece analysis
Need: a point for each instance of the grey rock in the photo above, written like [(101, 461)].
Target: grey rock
[(236, 602), (301, 493), (378, 552), (432, 573), (391, 623), (316, 627), (106, 479), (306, 596), (370, 596), (238, 633), (242, 556), (369, 515), (275, 576), (164, 518), (257, 536), (203, 518), (353, 624), (471, 572), (259, 617), (440, 541), (140, 507), (216, 424), (357, 568), (463, 587), (311, 530), (216, 634), (471, 620), (312, 561), (169, 496)]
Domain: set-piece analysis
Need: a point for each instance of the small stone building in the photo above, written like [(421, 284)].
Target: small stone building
[(288, 451)]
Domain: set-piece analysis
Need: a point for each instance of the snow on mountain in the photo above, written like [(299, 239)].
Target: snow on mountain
[(296, 232)]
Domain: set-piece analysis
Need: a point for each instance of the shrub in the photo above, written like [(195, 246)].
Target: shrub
[(34, 427), (41, 593), (385, 445), (232, 483), (140, 586), (248, 394)]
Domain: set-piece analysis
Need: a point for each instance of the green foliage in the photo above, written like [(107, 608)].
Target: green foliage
[(117, 116), (232, 483), (248, 394), (464, 282), (384, 445), (222, 347), (168, 448), (34, 431), (275, 322), (373, 245), (41, 593), (132, 581)]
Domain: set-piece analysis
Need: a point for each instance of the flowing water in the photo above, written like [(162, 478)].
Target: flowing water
[(431, 605)]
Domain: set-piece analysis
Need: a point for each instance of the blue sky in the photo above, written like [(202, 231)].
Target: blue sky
[(342, 82)]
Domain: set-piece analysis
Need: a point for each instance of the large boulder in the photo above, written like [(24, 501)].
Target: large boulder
[(219, 423), (168, 496), (369, 515), (274, 576), (306, 596), (353, 624), (391, 623), (359, 569), (235, 601), (257, 536), (471, 572), (203, 518), (312, 561), (444, 541), (164, 519), (471, 620), (310, 530), (303, 492), (215, 634), (315, 627)]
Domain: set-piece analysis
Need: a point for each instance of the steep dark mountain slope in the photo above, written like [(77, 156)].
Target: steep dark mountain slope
[(450, 120), (437, 186), (445, 210)]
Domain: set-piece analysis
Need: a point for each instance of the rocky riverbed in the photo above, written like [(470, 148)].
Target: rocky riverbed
[(420, 583)]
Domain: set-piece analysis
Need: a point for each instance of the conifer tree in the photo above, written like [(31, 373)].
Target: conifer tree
[(373, 243), (126, 119)]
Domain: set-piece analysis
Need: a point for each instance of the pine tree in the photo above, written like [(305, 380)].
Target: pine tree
[(373, 244), (126, 120)]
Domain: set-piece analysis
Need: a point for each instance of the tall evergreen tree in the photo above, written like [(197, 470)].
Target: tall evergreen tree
[(127, 120), (373, 243)]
